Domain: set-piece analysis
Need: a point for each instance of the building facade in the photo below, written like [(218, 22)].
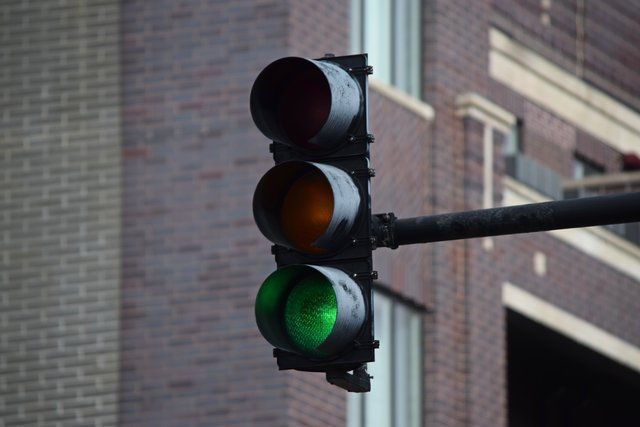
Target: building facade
[(130, 258)]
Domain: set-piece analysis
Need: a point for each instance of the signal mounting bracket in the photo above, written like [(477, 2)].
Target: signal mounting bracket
[(370, 275), (367, 69), (368, 138), (358, 382)]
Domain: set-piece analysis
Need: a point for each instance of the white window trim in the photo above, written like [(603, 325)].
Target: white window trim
[(374, 404), (529, 74), (405, 100), (493, 117), (570, 325)]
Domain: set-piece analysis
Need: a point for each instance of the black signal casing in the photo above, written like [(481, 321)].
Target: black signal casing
[(350, 153)]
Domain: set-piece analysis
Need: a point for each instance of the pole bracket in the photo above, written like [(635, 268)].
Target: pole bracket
[(367, 69), (367, 173), (384, 230), (358, 382), (357, 139), (369, 275)]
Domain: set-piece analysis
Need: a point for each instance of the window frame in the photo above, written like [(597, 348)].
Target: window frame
[(357, 404), (397, 60)]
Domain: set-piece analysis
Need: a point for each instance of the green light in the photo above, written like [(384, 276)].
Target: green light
[(269, 305), (310, 314), (311, 311)]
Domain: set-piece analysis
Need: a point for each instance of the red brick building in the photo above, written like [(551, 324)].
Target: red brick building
[(130, 258)]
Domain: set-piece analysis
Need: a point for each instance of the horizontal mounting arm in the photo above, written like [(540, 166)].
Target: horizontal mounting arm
[(391, 232)]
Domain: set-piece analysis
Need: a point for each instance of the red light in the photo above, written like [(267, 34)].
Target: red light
[(305, 104), (304, 108)]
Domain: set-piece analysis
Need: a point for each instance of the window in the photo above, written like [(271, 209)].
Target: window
[(583, 167), (389, 31), (396, 389), (512, 141)]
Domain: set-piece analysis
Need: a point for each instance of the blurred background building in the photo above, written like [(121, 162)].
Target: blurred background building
[(129, 259)]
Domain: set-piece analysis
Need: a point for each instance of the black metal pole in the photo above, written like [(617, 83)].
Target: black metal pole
[(554, 215)]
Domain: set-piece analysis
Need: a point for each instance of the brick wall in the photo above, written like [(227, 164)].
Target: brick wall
[(595, 40), (592, 148), (179, 157), (577, 283), (573, 281), (193, 258), (482, 324), (548, 139), (402, 183), (455, 33), (551, 140), (465, 339), (59, 213)]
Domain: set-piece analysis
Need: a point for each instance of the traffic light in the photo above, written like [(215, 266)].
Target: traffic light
[(315, 206)]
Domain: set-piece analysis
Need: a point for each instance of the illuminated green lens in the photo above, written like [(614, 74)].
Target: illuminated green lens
[(310, 314)]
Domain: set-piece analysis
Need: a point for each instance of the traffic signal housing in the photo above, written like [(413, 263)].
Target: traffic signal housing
[(315, 206)]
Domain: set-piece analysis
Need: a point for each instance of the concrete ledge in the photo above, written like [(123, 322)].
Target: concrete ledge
[(412, 104), (570, 325), (474, 105), (562, 93), (622, 179)]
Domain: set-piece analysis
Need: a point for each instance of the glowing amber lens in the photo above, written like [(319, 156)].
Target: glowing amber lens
[(306, 211)]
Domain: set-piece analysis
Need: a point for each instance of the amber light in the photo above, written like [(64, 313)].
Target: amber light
[(305, 206), (307, 210)]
